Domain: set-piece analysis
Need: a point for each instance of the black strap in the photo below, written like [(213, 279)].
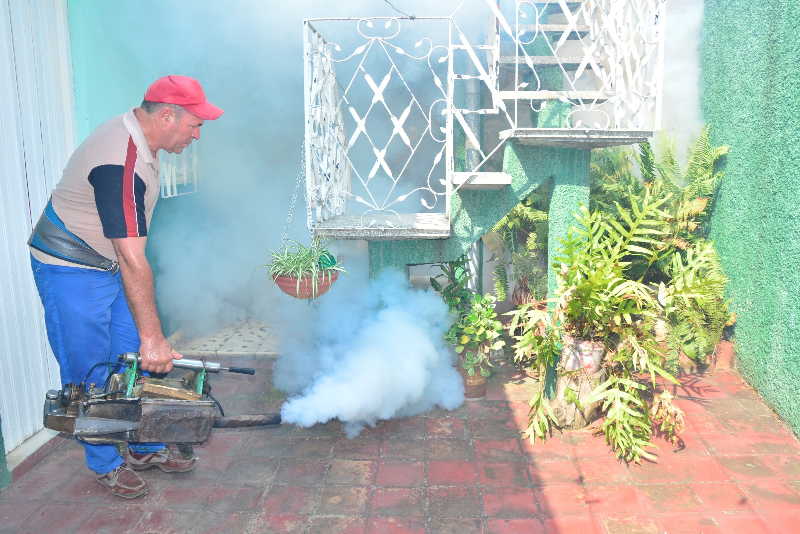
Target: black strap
[(52, 237)]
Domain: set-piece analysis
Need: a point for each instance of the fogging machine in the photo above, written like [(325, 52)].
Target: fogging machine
[(175, 408)]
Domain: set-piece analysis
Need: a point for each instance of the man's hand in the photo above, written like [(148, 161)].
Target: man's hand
[(157, 355)]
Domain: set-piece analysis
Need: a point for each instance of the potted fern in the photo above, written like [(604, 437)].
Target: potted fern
[(304, 272)]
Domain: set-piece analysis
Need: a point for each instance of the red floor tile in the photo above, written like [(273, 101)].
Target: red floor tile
[(357, 472), (605, 470), (569, 524), (623, 523), (395, 525), (357, 449), (503, 474), (688, 523), (548, 473), (301, 472), (342, 500), (722, 496), (515, 526), (509, 502), (452, 473), (492, 450), (405, 449), (445, 427), (448, 449), (338, 525), (280, 524), (447, 525), (558, 501), (556, 448), (742, 524), (393, 473), (784, 521), (454, 502), (615, 498), (397, 502), (588, 445), (673, 497), (767, 495), (14, 513), (292, 500)]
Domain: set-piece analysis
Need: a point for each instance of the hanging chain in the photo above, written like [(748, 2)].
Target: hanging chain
[(301, 173)]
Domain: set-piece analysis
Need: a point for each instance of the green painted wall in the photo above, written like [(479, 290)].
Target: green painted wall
[(751, 99), (475, 212), (5, 475)]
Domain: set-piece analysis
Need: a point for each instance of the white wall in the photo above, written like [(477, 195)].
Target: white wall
[(36, 137)]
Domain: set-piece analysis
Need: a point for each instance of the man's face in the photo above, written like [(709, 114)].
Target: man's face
[(183, 129)]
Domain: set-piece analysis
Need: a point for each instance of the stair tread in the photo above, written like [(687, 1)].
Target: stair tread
[(386, 226), (542, 60), (481, 180), (576, 137), (554, 28), (594, 96)]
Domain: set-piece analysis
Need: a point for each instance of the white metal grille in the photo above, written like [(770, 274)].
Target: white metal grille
[(179, 174), (393, 123), (368, 123)]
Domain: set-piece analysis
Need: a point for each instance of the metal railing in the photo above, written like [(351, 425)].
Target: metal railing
[(395, 106)]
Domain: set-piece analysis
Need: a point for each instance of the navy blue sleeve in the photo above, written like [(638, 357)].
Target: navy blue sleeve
[(120, 201)]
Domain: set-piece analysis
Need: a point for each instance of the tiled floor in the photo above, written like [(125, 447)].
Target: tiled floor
[(444, 472), (243, 339)]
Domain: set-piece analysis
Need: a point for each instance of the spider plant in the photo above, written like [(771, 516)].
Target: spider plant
[(295, 260)]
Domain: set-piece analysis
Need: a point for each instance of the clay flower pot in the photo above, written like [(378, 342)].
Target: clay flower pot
[(305, 290), (474, 386)]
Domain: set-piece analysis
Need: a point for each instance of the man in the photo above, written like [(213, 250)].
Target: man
[(89, 264)]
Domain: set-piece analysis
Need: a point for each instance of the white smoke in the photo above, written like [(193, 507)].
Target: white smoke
[(370, 355)]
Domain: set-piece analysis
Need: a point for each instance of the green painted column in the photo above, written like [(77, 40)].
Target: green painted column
[(475, 212), (570, 191), (5, 475)]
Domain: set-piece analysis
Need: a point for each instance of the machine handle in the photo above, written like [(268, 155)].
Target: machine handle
[(242, 370)]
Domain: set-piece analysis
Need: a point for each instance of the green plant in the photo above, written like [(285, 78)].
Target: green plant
[(523, 232), (500, 275), (597, 300), (296, 260), (476, 334), (452, 283), (685, 261)]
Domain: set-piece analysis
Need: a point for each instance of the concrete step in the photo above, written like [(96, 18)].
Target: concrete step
[(597, 97), (575, 137), (481, 180), (570, 63), (556, 30), (385, 227)]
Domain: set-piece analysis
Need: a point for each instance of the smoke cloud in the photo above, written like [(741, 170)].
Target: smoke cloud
[(369, 355)]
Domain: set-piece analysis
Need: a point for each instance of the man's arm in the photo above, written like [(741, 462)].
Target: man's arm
[(137, 278)]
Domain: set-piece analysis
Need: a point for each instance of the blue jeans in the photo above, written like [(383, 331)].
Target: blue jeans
[(88, 322)]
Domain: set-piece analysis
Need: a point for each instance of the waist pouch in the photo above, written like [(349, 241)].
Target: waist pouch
[(52, 237)]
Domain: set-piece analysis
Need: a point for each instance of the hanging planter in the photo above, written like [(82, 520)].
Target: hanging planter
[(304, 272), (306, 287)]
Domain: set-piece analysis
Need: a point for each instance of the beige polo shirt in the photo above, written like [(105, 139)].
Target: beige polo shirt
[(109, 188)]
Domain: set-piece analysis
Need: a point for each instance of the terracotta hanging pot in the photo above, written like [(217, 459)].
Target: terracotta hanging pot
[(305, 289)]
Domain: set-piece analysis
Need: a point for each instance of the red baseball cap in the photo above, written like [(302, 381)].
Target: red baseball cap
[(185, 92)]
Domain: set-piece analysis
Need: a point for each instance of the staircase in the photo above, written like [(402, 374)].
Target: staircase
[(554, 81)]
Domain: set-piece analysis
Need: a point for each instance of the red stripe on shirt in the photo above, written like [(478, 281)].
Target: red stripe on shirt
[(128, 197)]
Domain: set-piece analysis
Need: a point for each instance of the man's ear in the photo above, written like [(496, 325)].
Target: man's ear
[(166, 115)]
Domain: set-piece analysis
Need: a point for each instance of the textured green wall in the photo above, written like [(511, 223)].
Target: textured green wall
[(475, 212), (751, 98), (5, 476)]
